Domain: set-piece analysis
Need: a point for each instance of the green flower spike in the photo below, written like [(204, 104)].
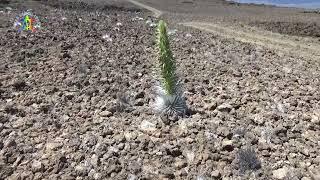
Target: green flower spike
[(169, 100)]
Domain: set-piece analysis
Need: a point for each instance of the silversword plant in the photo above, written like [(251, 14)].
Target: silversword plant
[(169, 100)]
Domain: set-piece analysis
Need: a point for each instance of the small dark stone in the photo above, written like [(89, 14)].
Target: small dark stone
[(228, 145), (69, 95), (141, 94), (174, 152), (139, 102), (11, 109), (45, 108), (108, 132), (60, 164), (66, 55), (206, 81)]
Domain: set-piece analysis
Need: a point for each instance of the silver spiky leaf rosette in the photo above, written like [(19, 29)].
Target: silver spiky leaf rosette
[(170, 106)]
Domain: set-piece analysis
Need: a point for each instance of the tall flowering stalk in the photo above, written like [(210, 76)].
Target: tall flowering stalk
[(170, 100), (166, 62)]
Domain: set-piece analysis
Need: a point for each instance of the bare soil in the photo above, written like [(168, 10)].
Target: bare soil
[(76, 98)]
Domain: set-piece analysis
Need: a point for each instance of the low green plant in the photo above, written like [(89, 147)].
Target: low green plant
[(169, 100)]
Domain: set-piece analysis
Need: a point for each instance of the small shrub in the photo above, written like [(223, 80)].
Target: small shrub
[(248, 160)]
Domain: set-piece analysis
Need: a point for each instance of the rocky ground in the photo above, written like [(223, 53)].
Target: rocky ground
[(292, 21), (76, 102), (310, 29)]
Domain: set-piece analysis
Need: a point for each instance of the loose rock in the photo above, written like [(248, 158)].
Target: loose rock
[(280, 173)]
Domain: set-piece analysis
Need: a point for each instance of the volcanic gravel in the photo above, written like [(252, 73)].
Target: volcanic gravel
[(76, 101), (291, 21), (310, 29)]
